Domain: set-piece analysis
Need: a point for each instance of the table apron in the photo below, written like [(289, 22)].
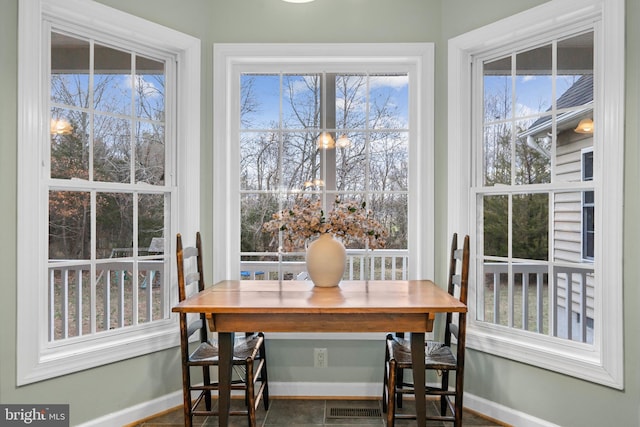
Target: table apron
[(321, 322)]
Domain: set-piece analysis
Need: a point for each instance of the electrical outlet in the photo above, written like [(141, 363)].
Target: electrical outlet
[(320, 358)]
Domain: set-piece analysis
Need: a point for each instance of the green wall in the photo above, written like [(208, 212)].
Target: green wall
[(97, 392)]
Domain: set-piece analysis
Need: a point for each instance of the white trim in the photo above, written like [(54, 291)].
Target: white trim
[(230, 58), (137, 412), (37, 359), (503, 413), (603, 362)]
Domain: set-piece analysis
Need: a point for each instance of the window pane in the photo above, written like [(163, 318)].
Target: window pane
[(533, 81), (350, 96), (114, 225), (574, 303), (69, 225), (495, 225), (533, 156), (112, 149), (573, 224), (497, 90), (301, 159), (531, 226), (150, 89), (69, 144), (351, 167), (151, 221), (69, 70), (574, 84), (256, 209), (493, 298), (150, 153), (301, 101), (389, 161), (112, 80), (392, 211), (389, 100), (259, 101), (497, 154), (259, 159)]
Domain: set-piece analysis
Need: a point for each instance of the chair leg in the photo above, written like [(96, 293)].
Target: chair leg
[(250, 394), (385, 384), (391, 389), (443, 398), (186, 394), (458, 402), (263, 373), (385, 380), (400, 381), (206, 378)]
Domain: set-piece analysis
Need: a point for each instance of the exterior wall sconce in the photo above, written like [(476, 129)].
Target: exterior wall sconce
[(585, 126)]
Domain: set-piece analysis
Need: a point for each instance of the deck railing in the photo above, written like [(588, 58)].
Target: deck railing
[(125, 292), (130, 291), (380, 264), (531, 304)]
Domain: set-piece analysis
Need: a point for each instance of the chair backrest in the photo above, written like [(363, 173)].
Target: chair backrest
[(187, 281), (458, 287), (190, 254)]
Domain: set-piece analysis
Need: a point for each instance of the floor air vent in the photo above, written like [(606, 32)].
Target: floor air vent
[(354, 413)]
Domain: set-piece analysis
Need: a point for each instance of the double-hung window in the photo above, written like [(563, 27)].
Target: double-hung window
[(535, 160), (102, 172)]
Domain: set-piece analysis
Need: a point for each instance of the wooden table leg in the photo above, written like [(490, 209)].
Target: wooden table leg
[(417, 359), (225, 342)]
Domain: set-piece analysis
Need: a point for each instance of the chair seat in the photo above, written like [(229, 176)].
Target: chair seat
[(244, 348), (437, 355)]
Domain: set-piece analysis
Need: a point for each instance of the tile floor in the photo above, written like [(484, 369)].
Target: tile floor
[(308, 413)]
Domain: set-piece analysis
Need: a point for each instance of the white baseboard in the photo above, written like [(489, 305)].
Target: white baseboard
[(503, 413), (137, 412), (320, 390)]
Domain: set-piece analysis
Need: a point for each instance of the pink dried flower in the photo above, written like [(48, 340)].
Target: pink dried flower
[(348, 220)]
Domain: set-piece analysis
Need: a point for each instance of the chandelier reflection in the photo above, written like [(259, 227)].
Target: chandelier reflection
[(60, 127), (325, 141)]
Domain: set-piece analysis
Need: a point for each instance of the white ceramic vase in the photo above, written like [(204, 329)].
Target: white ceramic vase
[(326, 261)]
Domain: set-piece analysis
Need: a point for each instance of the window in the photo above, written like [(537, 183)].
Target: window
[(547, 255), (324, 137), (106, 170), (272, 104), (525, 188)]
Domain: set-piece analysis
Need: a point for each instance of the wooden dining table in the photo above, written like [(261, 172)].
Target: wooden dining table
[(299, 306)]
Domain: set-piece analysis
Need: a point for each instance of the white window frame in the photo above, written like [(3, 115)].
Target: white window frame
[(38, 358), (601, 362), (417, 59)]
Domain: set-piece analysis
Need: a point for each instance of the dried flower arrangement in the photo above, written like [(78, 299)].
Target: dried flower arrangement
[(349, 221)]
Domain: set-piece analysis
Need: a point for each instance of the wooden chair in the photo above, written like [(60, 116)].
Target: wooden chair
[(439, 356), (249, 354)]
